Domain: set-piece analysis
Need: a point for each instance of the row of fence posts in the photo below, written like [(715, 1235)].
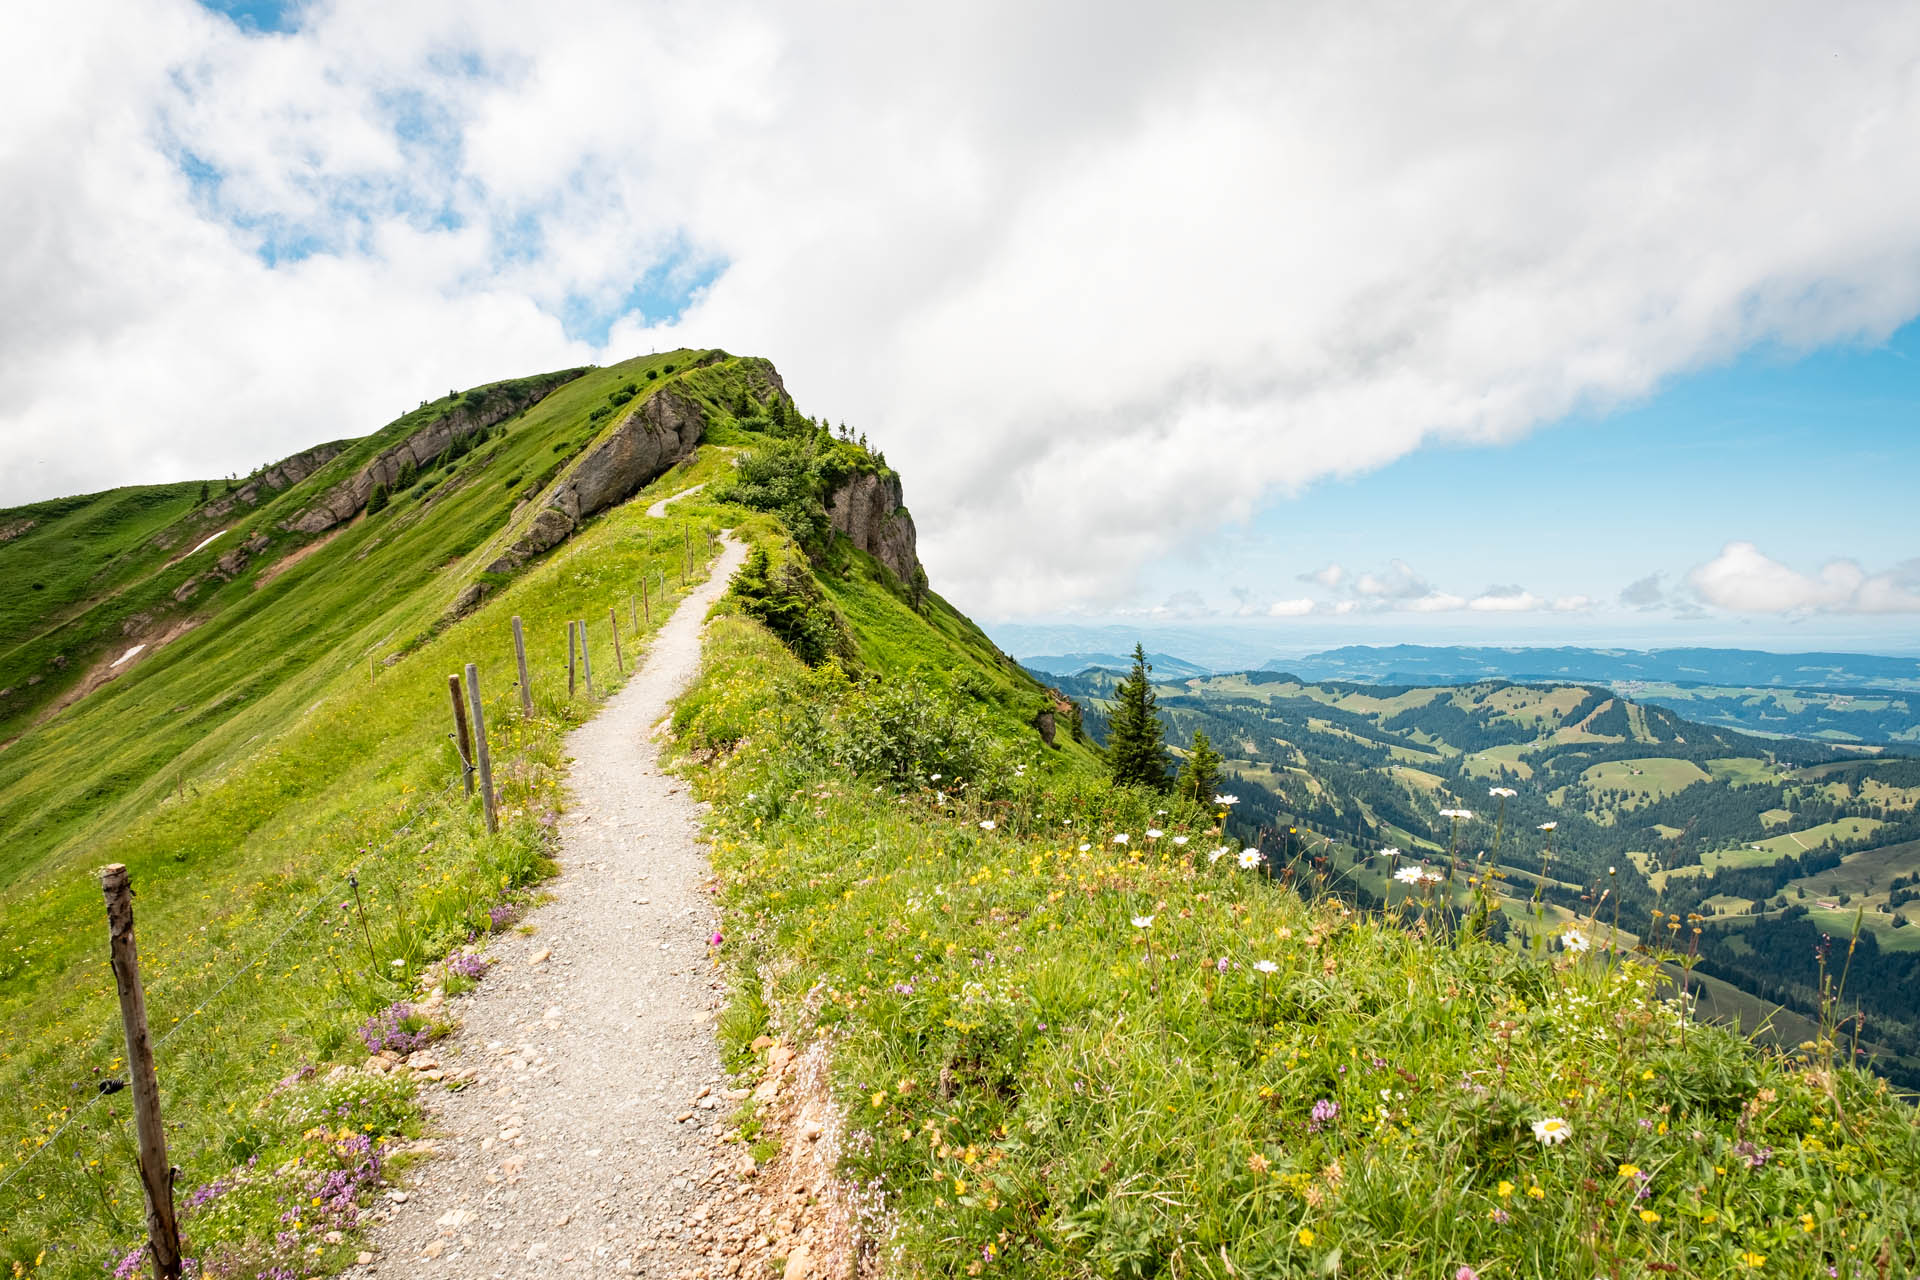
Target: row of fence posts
[(157, 1174)]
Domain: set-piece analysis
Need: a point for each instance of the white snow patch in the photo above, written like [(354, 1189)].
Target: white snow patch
[(123, 657), (210, 538)]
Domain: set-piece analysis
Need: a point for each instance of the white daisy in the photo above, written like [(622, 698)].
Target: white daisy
[(1552, 1131), (1249, 859)]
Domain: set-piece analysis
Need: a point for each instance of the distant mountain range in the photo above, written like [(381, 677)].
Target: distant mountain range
[(1165, 665), (1421, 664), (1840, 698)]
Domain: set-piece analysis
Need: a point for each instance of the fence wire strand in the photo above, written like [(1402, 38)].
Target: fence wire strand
[(263, 953)]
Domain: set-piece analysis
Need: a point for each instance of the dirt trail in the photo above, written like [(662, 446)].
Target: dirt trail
[(585, 1147), (659, 509)]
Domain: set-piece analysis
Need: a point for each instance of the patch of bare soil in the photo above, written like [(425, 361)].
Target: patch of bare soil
[(293, 558), (137, 649)]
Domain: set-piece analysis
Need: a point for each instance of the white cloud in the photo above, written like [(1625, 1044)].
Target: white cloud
[(1397, 581), (1506, 600), (1437, 602), (1572, 604), (1095, 285), (1290, 608), (1330, 577), (1743, 579)]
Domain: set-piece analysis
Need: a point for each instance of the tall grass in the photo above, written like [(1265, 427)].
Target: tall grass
[(1063, 1053)]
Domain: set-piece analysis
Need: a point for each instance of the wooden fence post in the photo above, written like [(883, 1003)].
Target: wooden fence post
[(619, 662), (520, 658), (156, 1175), (572, 659), (633, 614), (480, 748), (461, 738), (686, 555), (644, 602), (586, 659)]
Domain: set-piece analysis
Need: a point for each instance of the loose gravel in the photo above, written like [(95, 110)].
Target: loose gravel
[(588, 1142)]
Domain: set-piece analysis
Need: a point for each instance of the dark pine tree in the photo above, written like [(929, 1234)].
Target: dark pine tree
[(1136, 749), (1200, 776)]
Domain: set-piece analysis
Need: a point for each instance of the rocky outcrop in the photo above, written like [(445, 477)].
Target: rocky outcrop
[(763, 380), (658, 433), (282, 475), (8, 532), (348, 498), (867, 508)]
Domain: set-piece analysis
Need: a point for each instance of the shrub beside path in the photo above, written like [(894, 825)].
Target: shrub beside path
[(589, 1141)]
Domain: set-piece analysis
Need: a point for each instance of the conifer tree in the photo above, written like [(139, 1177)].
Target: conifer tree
[(1200, 776), (1136, 750)]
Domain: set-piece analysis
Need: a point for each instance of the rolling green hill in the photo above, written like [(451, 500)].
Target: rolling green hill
[(1070, 1036), (1760, 837), (287, 719)]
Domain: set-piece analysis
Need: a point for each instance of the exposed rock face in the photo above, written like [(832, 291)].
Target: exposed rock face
[(764, 381), (867, 508), (660, 431), (235, 560), (8, 532), (348, 498)]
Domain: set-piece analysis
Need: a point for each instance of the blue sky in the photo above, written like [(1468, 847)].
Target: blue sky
[(1810, 455)]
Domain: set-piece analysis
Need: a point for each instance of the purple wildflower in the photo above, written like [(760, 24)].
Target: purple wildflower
[(387, 1030), (1324, 1112), (469, 965), (1753, 1155)]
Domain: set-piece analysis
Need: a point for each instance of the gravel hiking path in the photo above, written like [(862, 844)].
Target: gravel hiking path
[(659, 509), (587, 1144)]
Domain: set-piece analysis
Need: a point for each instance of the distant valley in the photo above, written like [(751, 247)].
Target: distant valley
[(1768, 842), (1839, 698)]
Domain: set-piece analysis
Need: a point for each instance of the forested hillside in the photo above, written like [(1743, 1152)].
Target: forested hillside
[(1771, 843)]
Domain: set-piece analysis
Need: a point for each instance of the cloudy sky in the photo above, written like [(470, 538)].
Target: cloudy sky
[(1558, 321)]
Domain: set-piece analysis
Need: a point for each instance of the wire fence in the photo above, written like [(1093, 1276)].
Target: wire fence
[(108, 1088)]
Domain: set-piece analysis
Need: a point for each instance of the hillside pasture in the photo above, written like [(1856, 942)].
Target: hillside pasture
[(1645, 779), (1740, 770), (1490, 762), (1797, 842)]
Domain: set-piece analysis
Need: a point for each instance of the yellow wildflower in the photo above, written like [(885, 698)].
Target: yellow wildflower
[(1306, 1237)]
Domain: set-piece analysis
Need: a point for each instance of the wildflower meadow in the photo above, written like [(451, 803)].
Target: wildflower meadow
[(1078, 1031)]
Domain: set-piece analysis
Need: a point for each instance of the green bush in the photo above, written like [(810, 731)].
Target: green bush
[(786, 600), (377, 500)]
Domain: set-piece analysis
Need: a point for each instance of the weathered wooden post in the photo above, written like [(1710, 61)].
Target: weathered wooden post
[(461, 738), (633, 614), (586, 659), (644, 602), (520, 658), (686, 555), (620, 663), (480, 748), (572, 659), (156, 1174)]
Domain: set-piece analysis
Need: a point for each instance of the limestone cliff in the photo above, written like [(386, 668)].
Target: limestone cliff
[(348, 498), (868, 509), (656, 434)]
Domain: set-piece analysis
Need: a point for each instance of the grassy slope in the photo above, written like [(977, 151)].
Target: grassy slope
[(1041, 1080), (297, 763)]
